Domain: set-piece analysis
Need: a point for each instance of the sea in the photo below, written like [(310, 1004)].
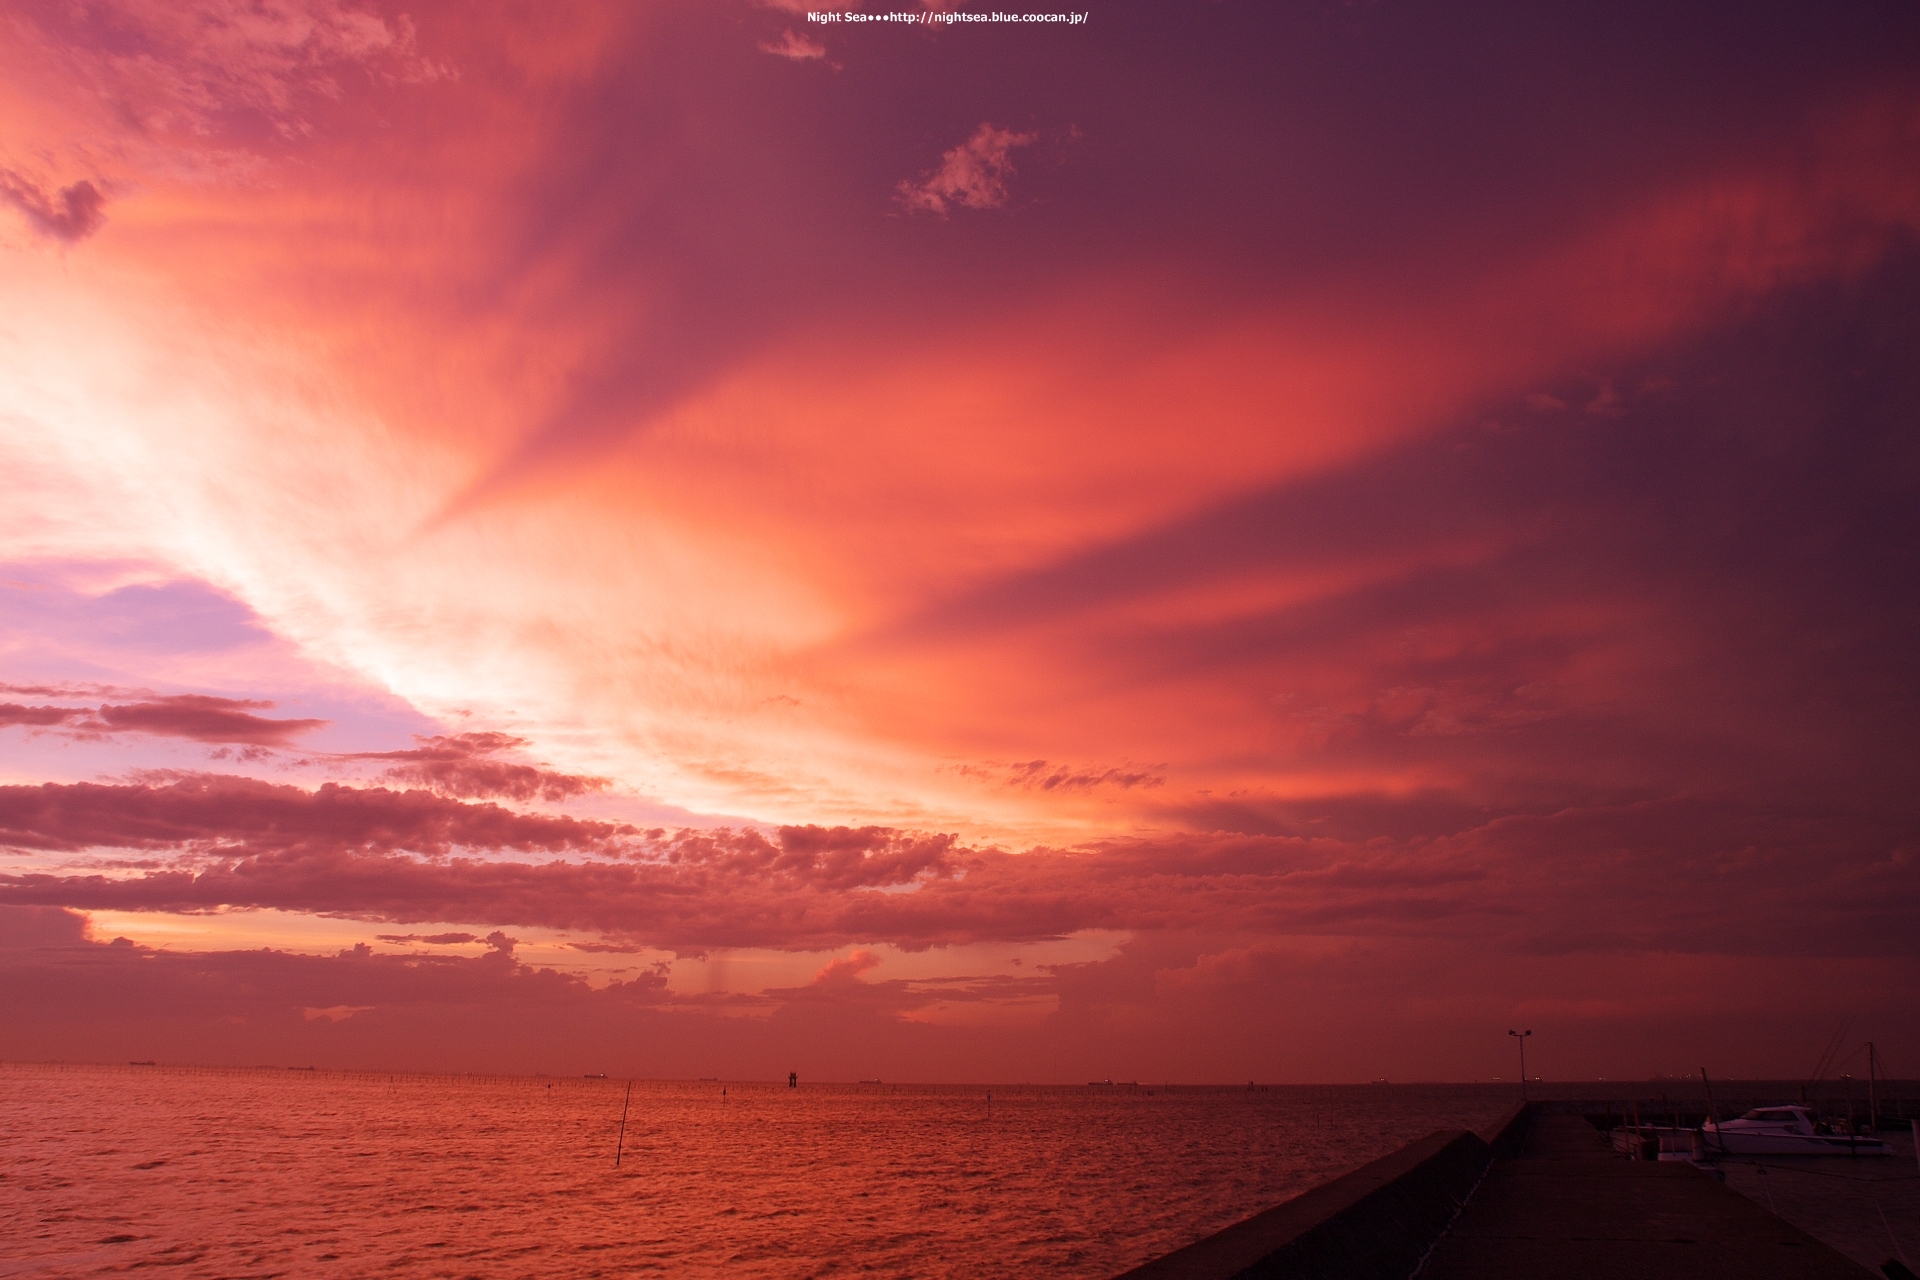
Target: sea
[(192, 1172)]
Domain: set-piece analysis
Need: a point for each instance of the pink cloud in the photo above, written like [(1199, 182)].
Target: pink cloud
[(461, 765), (38, 717), (70, 214), (797, 47), (205, 719), (844, 970), (196, 717), (972, 175), (211, 812), (337, 1013)]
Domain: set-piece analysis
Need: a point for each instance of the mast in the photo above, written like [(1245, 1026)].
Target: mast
[(1712, 1113), (1873, 1110)]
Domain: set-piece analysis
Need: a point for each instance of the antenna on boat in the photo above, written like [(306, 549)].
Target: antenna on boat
[(1825, 1064), (1873, 1110), (1713, 1113)]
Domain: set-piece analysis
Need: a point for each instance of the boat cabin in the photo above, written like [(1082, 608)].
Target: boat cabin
[(1790, 1119)]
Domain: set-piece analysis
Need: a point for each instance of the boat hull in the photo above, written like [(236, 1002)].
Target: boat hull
[(1735, 1143)]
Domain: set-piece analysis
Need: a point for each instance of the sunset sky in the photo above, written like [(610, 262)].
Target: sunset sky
[(1228, 540)]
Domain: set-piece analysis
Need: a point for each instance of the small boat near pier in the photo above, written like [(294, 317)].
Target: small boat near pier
[(1787, 1131)]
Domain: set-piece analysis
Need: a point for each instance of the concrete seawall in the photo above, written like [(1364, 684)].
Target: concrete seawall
[(1375, 1223)]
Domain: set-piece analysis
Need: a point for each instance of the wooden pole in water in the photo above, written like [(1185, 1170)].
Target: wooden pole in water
[(620, 1146)]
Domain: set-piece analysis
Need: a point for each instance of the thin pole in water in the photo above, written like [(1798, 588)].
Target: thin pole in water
[(620, 1146)]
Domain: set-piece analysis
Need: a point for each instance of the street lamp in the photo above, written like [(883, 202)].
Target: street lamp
[(1522, 1037)]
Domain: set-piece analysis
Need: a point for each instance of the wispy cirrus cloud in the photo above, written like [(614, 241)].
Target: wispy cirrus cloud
[(1043, 775), (190, 69), (430, 939)]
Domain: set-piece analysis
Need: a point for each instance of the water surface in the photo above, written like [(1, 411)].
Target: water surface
[(239, 1173)]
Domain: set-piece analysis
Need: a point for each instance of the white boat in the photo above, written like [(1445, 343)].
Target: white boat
[(1785, 1131)]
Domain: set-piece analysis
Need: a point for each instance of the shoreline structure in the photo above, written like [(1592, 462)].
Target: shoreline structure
[(1538, 1192)]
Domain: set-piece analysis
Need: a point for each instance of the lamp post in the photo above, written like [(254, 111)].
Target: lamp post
[(1522, 1037)]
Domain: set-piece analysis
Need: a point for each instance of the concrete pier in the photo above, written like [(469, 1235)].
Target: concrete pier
[(1566, 1206), (1537, 1194)]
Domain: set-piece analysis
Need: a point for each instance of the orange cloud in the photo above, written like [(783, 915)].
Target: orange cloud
[(845, 970)]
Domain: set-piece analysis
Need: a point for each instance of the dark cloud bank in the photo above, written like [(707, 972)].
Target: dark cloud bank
[(1739, 874), (1171, 1004)]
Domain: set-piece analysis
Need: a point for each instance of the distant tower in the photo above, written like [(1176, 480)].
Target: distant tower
[(793, 1079)]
